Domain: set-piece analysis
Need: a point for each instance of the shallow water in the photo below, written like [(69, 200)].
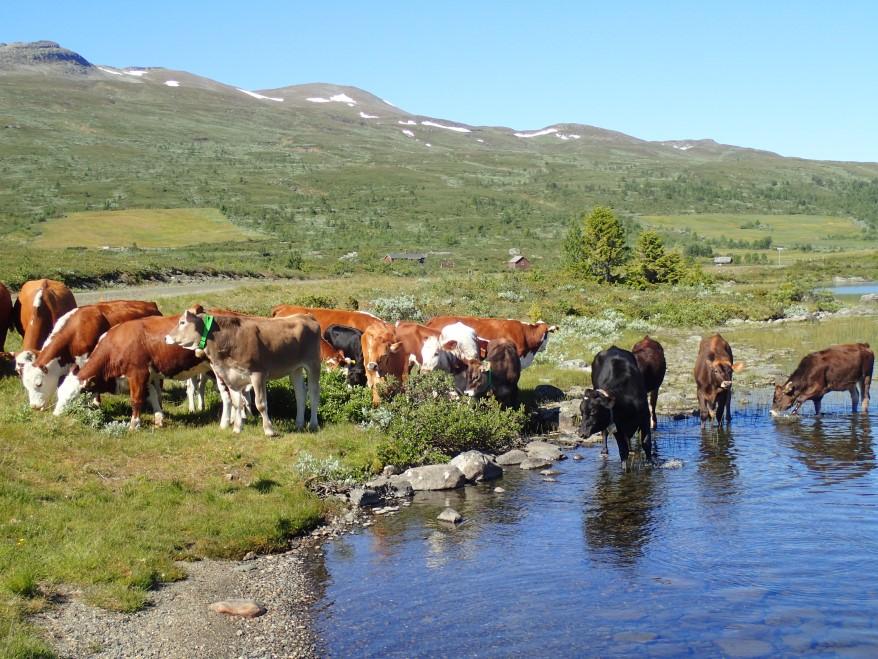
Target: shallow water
[(855, 289), (763, 543)]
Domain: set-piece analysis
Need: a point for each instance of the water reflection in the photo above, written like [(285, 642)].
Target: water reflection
[(717, 466), (835, 449), (620, 514)]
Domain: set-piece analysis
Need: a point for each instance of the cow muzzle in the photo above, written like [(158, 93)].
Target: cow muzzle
[(726, 384), (372, 366), (169, 340)]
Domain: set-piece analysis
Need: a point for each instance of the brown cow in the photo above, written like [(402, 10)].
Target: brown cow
[(5, 314), (650, 358), (248, 351), (529, 338), (135, 350), (383, 355), (714, 367), (40, 304), (326, 317), (499, 373), (838, 368), (74, 336)]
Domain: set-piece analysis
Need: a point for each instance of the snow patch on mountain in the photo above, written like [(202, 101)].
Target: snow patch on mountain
[(406, 131), (457, 129), (260, 96), (409, 122), (138, 73), (172, 83), (338, 98), (538, 133), (115, 73), (368, 116)]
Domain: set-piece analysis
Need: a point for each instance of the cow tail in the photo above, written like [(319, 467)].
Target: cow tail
[(16, 317)]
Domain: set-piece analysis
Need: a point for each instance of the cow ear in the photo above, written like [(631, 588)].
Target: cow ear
[(737, 367), (788, 388), (449, 345), (89, 383), (197, 309), (607, 396), (485, 367), (552, 328), (44, 369), (394, 347)]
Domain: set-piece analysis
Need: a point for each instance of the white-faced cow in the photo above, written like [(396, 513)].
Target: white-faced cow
[(136, 351), (249, 351), (529, 338), (72, 339), (838, 368), (714, 367)]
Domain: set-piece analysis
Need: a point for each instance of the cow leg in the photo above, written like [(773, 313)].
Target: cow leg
[(817, 400), (605, 452), (652, 399), (622, 443), (297, 379), (855, 398), (865, 383), (314, 394), (190, 394), (237, 416), (138, 386), (729, 406), (258, 382), (226, 398), (154, 395), (703, 409), (646, 441)]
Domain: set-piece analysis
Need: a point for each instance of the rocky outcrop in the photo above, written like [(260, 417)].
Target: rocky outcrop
[(45, 55)]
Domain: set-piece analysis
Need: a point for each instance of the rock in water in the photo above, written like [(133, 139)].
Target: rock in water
[(363, 497), (239, 607), (544, 450), (499, 490), (434, 477), (534, 463), (476, 466), (512, 457), (450, 515)]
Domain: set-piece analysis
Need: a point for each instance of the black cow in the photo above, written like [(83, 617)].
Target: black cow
[(617, 404), (347, 339)]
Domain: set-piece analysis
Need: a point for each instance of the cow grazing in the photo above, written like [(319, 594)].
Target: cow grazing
[(135, 350), (251, 351), (326, 317), (617, 403), (74, 336), (383, 355), (5, 314), (714, 367), (838, 368), (349, 341), (650, 357), (423, 343), (529, 338), (499, 373), (40, 304)]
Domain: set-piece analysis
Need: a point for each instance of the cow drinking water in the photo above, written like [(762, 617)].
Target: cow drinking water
[(714, 367)]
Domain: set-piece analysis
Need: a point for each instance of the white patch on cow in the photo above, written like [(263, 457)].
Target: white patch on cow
[(42, 385), (368, 116), (101, 338), (456, 129), (409, 122), (172, 83), (406, 131), (115, 73), (430, 354), (38, 298), (338, 98), (260, 96), (538, 133), (59, 325), (68, 390), (464, 336)]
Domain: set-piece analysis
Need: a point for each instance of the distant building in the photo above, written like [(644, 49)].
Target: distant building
[(722, 260), (518, 263), (405, 256)]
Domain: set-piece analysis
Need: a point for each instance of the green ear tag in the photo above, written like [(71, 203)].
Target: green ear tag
[(208, 323)]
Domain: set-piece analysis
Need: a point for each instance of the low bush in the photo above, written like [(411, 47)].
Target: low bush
[(401, 307), (426, 425)]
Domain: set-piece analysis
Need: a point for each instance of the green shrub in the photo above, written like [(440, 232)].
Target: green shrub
[(401, 307), (339, 403), (319, 301), (426, 425)]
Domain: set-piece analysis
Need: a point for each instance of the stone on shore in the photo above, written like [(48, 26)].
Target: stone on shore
[(363, 497), (513, 457), (569, 416), (476, 466), (434, 477), (239, 607)]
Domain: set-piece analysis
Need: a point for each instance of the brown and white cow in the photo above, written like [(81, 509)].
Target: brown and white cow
[(248, 351), (74, 336), (5, 314), (326, 317), (650, 358), (837, 368), (714, 367), (383, 355), (134, 350), (40, 304), (423, 343), (529, 338)]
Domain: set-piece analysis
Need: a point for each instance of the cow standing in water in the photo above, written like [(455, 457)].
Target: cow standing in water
[(650, 357), (714, 367), (838, 368), (617, 404)]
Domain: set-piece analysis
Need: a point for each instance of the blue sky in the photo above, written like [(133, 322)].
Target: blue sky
[(799, 78)]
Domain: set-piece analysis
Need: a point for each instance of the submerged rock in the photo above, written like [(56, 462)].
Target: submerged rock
[(239, 607), (476, 466), (450, 515), (434, 477), (535, 463), (513, 457)]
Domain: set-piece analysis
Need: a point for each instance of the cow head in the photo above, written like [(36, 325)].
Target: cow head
[(23, 358), (68, 390), (785, 396), (597, 412), (478, 378), (41, 382), (720, 371), (383, 355), (187, 333)]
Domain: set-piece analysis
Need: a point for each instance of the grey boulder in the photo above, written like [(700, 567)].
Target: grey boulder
[(544, 450), (513, 457), (434, 477), (476, 466), (535, 463)]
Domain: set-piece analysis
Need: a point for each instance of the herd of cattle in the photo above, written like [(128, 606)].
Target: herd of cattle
[(128, 344)]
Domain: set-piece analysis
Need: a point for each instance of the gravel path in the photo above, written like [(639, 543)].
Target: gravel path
[(179, 624)]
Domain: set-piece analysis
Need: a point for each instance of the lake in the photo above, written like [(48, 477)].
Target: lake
[(854, 289), (763, 543)]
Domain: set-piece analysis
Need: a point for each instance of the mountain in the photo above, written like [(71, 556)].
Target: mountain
[(333, 168)]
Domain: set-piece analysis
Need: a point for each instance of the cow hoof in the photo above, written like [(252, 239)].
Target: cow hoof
[(270, 433), (313, 427)]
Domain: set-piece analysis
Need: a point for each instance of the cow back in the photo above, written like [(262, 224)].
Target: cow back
[(118, 311), (650, 357), (40, 304), (835, 368), (268, 345), (527, 337), (326, 317)]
